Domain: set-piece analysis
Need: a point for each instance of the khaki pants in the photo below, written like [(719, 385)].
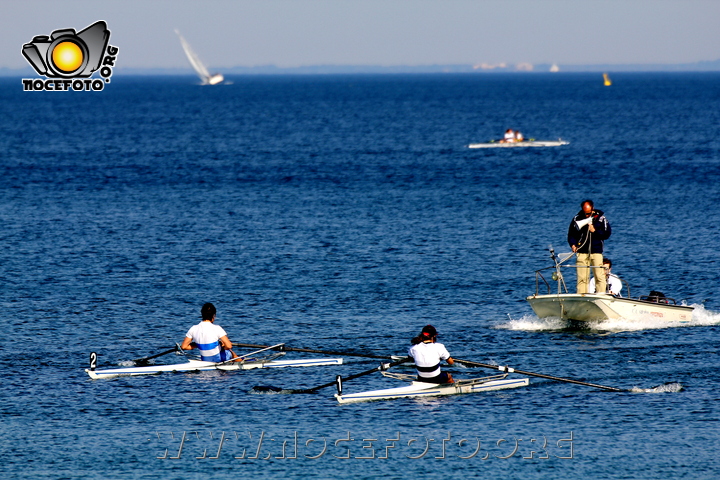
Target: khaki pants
[(594, 260)]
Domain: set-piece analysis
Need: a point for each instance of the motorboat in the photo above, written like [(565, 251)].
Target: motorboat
[(588, 307)]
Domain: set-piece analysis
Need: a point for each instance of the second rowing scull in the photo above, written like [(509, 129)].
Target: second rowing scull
[(424, 389)]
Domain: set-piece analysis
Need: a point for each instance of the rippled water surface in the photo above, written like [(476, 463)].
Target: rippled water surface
[(344, 213)]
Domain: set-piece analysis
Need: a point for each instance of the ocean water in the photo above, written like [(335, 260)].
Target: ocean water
[(344, 213)]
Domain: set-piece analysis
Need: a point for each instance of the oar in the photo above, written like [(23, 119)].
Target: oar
[(264, 348), (144, 360), (337, 380), (322, 352), (541, 375), (381, 367), (241, 358), (466, 362)]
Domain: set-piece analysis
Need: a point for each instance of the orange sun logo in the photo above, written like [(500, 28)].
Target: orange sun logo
[(67, 56)]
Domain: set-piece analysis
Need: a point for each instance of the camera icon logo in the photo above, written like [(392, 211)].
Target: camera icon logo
[(68, 54)]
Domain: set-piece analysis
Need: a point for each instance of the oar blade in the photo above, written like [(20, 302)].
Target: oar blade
[(670, 387), (272, 390)]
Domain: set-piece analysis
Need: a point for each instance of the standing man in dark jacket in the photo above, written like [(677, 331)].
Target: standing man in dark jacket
[(586, 235)]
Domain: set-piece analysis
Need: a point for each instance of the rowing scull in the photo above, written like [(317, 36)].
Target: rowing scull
[(423, 389), (198, 366), (532, 143)]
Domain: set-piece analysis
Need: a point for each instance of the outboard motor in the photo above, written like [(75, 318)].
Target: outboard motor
[(657, 297)]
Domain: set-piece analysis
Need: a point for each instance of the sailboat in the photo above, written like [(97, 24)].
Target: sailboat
[(200, 68)]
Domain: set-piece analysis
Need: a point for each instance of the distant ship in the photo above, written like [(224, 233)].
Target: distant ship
[(554, 68), (202, 71), (606, 80)]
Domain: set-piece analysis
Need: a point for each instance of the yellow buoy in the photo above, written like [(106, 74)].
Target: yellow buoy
[(607, 80)]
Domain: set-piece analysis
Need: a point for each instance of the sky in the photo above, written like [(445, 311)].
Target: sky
[(295, 33)]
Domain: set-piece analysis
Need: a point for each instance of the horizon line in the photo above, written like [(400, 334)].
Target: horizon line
[(701, 66)]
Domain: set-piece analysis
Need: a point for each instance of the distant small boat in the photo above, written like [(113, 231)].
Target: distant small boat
[(607, 80), (554, 68), (200, 68), (528, 143)]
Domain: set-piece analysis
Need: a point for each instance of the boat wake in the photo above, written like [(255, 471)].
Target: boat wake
[(531, 323), (701, 316), (670, 387)]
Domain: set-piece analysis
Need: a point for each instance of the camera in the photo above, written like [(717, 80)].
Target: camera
[(66, 53)]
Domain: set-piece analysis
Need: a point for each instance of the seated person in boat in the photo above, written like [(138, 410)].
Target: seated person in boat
[(657, 297), (210, 339), (428, 354), (613, 282), (509, 136), (519, 136)]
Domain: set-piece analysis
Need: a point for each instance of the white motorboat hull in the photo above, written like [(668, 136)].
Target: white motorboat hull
[(593, 306), (424, 389), (198, 365), (535, 143)]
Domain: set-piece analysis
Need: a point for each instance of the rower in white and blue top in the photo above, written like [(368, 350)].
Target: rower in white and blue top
[(428, 355), (210, 339)]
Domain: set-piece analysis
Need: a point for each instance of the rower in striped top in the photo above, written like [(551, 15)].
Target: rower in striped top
[(210, 339), (428, 355)]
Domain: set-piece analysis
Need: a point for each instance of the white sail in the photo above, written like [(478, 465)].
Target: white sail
[(200, 68)]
